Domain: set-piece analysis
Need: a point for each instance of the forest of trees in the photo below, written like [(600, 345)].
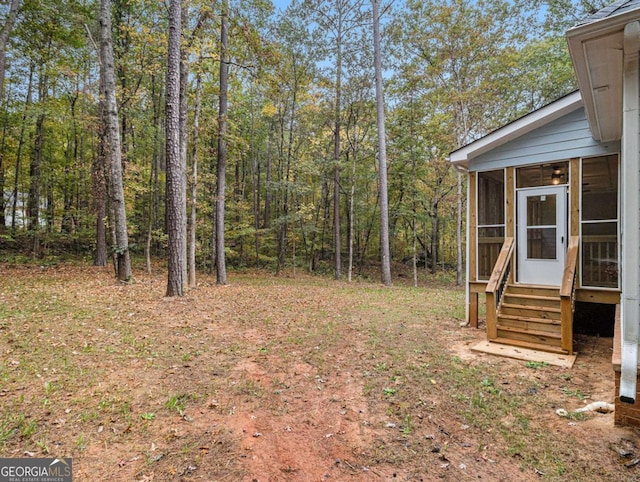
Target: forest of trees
[(244, 133)]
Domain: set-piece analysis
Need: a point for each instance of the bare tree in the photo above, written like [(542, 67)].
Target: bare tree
[(385, 252), (113, 154), (176, 203)]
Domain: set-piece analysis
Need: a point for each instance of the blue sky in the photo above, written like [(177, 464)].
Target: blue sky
[(281, 4)]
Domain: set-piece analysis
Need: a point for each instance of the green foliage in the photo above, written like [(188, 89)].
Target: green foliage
[(456, 70)]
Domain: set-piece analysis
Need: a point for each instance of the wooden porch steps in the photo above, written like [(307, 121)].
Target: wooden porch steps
[(532, 346), (529, 316)]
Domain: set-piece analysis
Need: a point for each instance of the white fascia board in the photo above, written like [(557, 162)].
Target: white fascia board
[(563, 106)]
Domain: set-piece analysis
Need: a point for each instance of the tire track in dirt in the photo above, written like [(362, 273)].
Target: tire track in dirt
[(315, 430)]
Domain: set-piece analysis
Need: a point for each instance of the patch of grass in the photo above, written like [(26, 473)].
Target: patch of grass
[(88, 416), (16, 425), (380, 367), (27, 427), (537, 365), (7, 430), (176, 403), (248, 386), (406, 428), (43, 445), (574, 393), (113, 353), (81, 443)]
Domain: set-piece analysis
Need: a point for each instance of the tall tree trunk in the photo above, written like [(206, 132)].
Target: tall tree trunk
[(69, 186), (176, 169), (4, 37), (382, 148), (3, 143), (414, 220), (99, 181), (50, 212), (100, 207), (23, 124), (221, 271), (266, 221), (352, 198), (154, 178), (435, 239), (194, 184), (255, 183), (113, 151), (35, 165), (33, 202), (352, 191), (336, 160), (184, 81), (286, 171)]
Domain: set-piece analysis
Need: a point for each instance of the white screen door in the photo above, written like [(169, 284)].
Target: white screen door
[(542, 235)]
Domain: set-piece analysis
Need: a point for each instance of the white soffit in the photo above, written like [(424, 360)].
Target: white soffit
[(597, 54), (538, 118), (604, 62)]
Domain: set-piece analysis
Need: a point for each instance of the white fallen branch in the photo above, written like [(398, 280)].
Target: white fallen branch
[(600, 407)]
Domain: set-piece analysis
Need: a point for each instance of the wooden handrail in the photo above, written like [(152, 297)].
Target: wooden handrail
[(567, 294), (500, 267), (493, 292), (569, 273)]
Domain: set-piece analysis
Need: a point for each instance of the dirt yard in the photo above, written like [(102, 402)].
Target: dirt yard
[(294, 378)]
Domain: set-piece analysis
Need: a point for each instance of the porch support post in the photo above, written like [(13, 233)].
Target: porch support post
[(473, 307), (472, 257), (511, 215), (630, 213), (574, 197)]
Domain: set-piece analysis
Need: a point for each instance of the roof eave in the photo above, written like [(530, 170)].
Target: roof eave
[(516, 129), (576, 39)]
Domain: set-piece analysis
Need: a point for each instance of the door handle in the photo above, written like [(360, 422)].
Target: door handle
[(562, 240)]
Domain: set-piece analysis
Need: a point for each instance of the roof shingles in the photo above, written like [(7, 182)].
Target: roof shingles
[(616, 8)]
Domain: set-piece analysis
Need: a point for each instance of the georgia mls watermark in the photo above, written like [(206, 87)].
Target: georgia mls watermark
[(36, 470)]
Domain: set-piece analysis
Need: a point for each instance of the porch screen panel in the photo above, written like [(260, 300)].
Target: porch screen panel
[(600, 219), (491, 220)]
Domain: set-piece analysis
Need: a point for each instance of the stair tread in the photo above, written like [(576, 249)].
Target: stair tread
[(546, 334), (534, 346), (540, 290), (531, 297), (550, 309), (538, 287), (530, 319)]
